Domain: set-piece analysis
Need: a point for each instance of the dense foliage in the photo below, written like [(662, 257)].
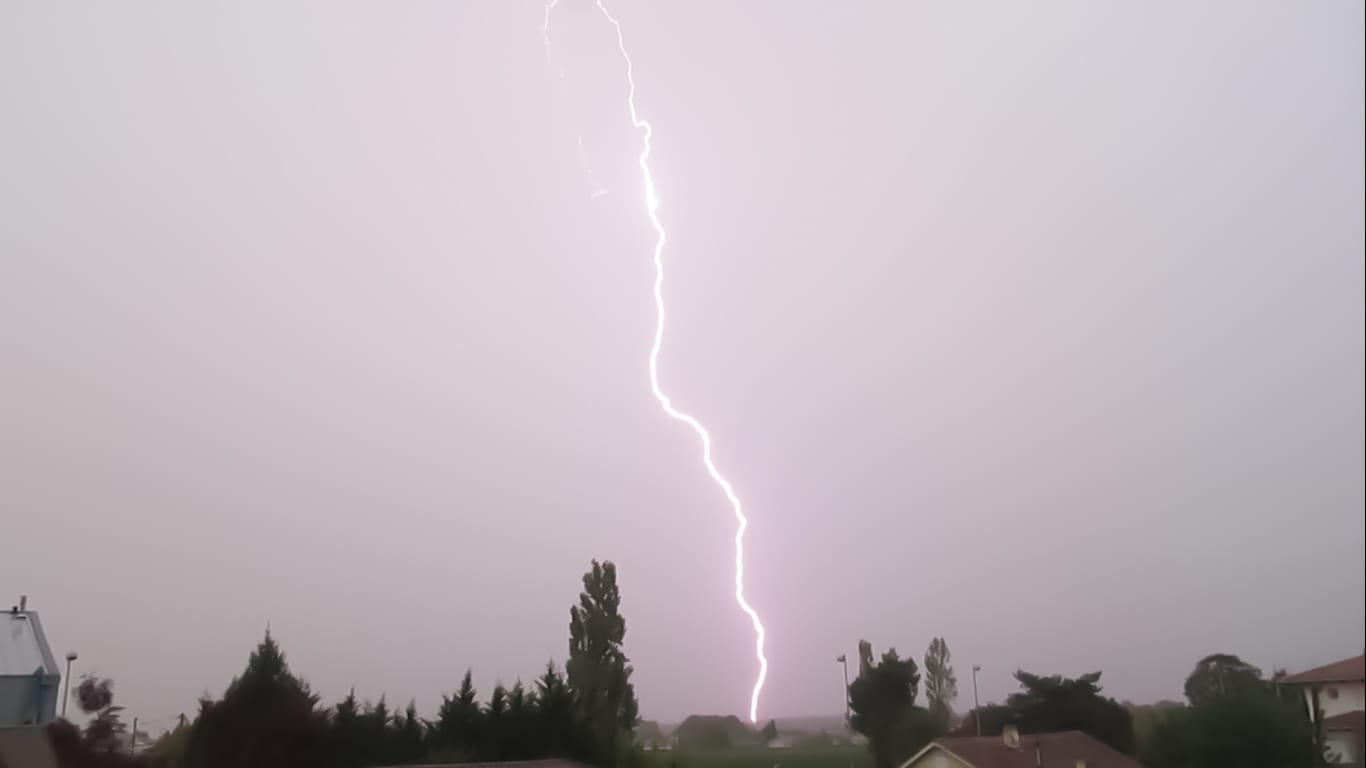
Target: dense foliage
[(1055, 703), (1221, 675), (941, 684), (710, 733), (270, 718), (598, 671), (1235, 717), (882, 707)]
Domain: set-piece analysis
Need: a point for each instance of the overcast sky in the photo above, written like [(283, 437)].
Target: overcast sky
[(1036, 326)]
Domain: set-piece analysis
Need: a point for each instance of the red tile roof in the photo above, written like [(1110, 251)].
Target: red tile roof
[(1347, 721), (1351, 670), (1054, 750)]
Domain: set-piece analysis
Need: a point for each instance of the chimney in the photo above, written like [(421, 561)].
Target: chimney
[(23, 603), (1010, 734)]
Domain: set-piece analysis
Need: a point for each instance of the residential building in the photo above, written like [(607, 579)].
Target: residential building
[(29, 677), (1339, 691), (1067, 749)]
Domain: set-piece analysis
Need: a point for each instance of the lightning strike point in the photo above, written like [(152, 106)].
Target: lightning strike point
[(652, 212)]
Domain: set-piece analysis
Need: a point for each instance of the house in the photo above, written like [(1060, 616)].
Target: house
[(29, 676), (1339, 690), (1068, 749)]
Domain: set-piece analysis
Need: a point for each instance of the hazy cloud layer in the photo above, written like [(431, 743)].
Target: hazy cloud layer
[(1039, 328)]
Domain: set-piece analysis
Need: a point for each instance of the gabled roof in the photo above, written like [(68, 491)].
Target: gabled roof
[(1347, 721), (1054, 750), (1351, 670), (23, 646)]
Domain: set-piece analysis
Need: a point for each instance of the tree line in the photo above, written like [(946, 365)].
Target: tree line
[(268, 717), (1233, 715), (587, 710)]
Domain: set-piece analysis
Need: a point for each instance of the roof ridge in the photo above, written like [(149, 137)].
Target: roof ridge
[(1350, 669)]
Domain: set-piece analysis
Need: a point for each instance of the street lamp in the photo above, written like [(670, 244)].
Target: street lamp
[(842, 659), (70, 657), (976, 705)]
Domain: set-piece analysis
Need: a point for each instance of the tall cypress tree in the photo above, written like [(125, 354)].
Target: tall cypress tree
[(598, 672), (267, 718), (941, 684), (458, 730)]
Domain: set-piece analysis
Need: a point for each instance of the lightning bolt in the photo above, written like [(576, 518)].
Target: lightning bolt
[(598, 189), (652, 212)]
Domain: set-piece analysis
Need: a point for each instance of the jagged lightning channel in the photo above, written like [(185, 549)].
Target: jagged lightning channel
[(652, 211), (598, 189)]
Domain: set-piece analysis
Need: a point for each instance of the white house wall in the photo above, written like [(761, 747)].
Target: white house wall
[(1351, 698), (1342, 747)]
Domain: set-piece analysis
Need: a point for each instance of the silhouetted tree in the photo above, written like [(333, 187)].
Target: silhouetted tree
[(1221, 674), (105, 731), (710, 733), (598, 672), (345, 731), (104, 741), (882, 701), (71, 749), (941, 684), (267, 718), (769, 732), (94, 693), (168, 751), (409, 734), (1056, 703), (916, 728), (376, 737), (520, 739), (457, 732), (993, 716), (1146, 718), (361, 735), (1250, 729), (563, 729), (496, 736)]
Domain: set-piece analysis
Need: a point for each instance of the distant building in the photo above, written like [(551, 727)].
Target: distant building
[(1340, 692), (29, 676), (1068, 749)]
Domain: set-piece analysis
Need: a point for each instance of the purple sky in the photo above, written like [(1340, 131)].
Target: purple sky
[(1038, 328)]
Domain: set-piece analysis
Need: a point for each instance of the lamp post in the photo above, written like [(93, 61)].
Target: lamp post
[(976, 705), (70, 657), (842, 659)]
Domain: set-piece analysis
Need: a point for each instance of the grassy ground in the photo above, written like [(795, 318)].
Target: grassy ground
[(797, 757)]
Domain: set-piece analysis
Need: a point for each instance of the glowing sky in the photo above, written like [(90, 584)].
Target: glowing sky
[(1039, 329)]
